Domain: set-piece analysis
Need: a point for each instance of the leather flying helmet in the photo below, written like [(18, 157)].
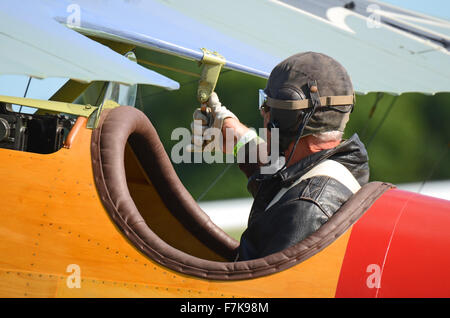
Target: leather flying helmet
[(303, 83)]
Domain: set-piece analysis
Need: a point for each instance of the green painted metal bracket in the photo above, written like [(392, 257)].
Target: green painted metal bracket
[(212, 63)]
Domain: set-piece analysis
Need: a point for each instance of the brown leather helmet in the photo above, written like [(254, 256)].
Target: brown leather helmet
[(299, 80)]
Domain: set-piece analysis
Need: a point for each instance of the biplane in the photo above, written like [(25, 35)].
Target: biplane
[(91, 205)]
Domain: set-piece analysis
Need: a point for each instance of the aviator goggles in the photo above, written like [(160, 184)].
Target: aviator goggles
[(262, 100)]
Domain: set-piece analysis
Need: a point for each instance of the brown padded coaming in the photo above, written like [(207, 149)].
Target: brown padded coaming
[(122, 124)]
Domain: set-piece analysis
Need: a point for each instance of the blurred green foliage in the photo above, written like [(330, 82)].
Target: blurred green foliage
[(407, 136)]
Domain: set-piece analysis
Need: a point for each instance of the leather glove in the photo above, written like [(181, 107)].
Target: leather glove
[(218, 112), (213, 117)]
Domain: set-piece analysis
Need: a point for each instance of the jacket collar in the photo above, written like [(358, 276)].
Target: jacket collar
[(350, 152)]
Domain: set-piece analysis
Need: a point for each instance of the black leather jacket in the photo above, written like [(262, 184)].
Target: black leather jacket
[(305, 207)]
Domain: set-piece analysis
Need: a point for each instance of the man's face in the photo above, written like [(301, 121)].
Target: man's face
[(266, 117)]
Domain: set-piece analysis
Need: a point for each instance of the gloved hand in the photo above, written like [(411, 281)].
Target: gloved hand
[(213, 117), (218, 112)]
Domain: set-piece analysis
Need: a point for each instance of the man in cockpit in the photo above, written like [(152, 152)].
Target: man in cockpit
[(308, 98)]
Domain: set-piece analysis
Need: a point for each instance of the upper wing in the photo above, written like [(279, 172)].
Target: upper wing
[(255, 35), (34, 44)]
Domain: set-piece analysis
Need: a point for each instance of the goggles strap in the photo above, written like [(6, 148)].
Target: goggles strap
[(343, 100)]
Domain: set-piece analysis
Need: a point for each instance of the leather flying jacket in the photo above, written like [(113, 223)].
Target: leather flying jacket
[(303, 208)]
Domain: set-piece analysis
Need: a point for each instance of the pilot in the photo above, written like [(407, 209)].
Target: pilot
[(307, 101)]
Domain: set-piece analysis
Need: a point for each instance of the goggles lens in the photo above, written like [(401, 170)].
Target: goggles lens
[(262, 98)]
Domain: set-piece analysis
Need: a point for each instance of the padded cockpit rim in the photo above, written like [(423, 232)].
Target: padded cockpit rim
[(107, 148)]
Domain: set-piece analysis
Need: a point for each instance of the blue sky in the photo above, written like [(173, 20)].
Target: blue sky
[(15, 85)]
